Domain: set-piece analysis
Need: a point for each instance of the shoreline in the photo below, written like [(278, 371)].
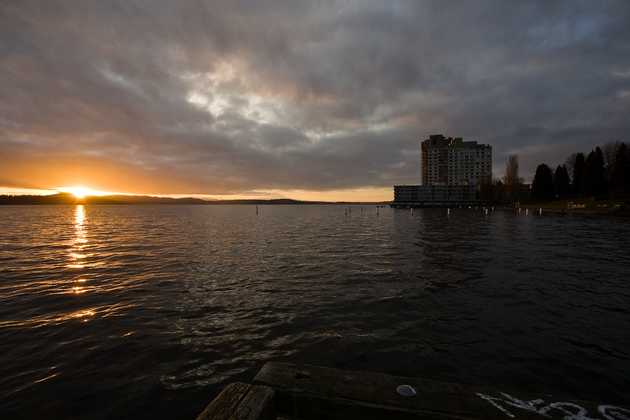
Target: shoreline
[(587, 207), (68, 199)]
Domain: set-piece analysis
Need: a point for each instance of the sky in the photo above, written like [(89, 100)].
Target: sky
[(302, 99)]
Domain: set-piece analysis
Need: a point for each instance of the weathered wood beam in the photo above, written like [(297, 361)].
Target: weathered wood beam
[(258, 404), (311, 392), (239, 401)]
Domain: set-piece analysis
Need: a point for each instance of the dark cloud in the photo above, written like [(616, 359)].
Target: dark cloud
[(233, 96)]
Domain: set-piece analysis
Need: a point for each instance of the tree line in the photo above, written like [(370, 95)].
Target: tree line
[(601, 174)]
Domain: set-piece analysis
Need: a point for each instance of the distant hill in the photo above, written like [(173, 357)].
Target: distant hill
[(61, 198), (66, 198)]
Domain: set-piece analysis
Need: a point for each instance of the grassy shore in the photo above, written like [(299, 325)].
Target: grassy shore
[(586, 206)]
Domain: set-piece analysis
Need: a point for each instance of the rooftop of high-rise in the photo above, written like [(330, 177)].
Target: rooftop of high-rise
[(439, 140)]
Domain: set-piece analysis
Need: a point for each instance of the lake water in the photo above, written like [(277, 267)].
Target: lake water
[(147, 311)]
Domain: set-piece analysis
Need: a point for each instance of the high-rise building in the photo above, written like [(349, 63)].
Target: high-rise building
[(452, 161)]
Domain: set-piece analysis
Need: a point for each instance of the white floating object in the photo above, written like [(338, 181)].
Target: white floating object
[(406, 390)]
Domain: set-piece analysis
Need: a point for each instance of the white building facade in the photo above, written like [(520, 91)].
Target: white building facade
[(452, 161)]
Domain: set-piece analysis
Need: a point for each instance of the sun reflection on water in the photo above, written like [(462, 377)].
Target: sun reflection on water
[(77, 290), (79, 224), (79, 243)]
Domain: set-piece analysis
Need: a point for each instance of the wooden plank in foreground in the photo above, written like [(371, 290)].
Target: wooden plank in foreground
[(239, 401), (312, 392), (256, 405)]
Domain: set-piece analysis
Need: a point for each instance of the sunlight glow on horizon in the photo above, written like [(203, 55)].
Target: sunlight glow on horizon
[(365, 194), (80, 191)]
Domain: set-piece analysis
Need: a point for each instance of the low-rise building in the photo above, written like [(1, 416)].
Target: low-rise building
[(435, 195)]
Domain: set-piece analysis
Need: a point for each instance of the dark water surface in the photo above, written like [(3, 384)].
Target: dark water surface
[(147, 311)]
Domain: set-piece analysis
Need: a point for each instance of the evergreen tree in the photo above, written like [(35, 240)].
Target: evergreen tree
[(542, 187), (610, 150), (578, 174), (600, 181), (561, 181), (570, 162), (595, 174), (589, 164), (620, 173)]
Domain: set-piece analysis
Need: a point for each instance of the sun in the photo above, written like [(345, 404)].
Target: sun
[(80, 192)]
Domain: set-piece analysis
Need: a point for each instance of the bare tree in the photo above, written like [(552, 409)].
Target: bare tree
[(511, 179), (511, 170)]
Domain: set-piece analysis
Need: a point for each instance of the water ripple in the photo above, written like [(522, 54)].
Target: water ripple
[(123, 306)]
